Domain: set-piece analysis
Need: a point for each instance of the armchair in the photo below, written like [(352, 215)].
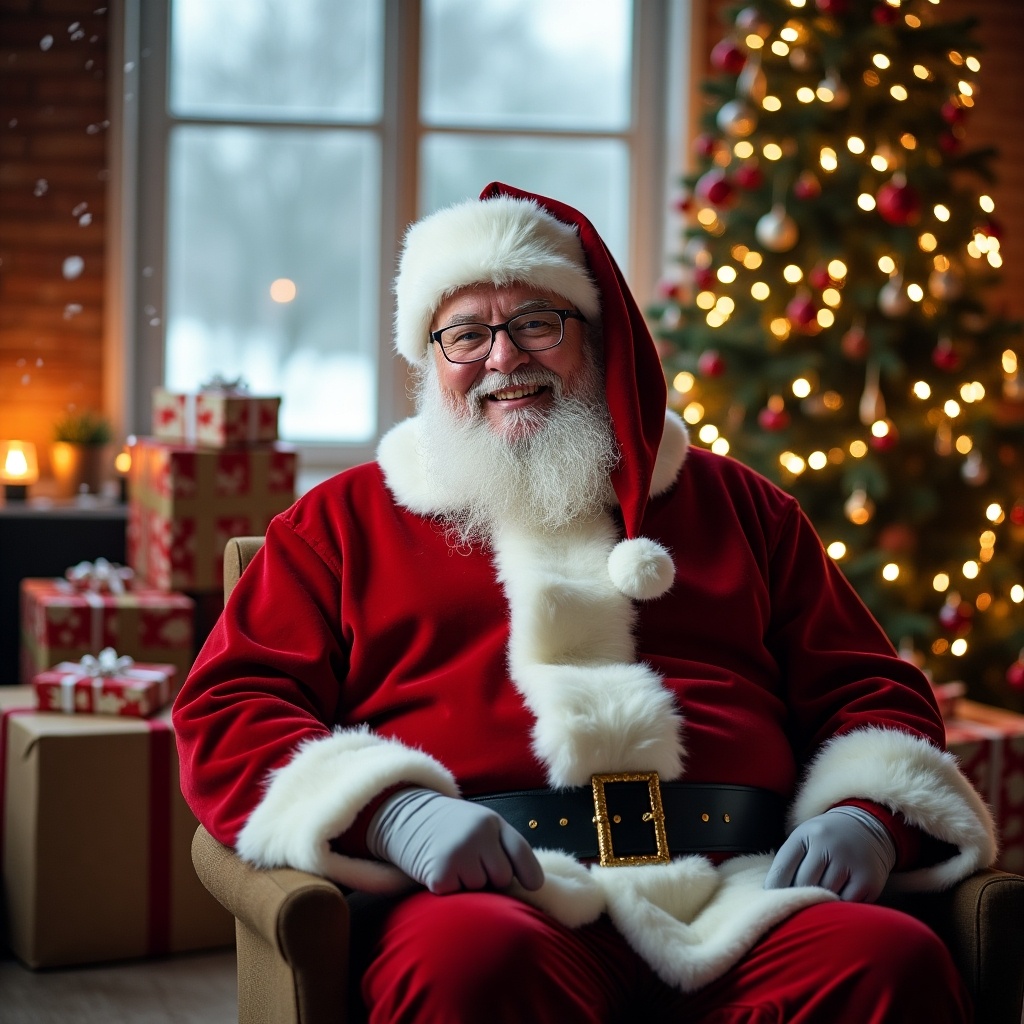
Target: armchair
[(292, 928)]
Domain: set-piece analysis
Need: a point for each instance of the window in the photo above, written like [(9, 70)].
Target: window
[(284, 145)]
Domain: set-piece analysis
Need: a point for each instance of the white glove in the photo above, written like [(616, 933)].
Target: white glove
[(846, 849), (448, 845)]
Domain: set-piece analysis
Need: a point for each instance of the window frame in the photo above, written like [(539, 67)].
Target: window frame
[(134, 349)]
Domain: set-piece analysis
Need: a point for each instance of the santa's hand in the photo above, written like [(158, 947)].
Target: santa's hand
[(846, 849), (449, 845)]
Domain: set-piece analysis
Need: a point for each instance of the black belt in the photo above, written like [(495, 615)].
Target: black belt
[(633, 818)]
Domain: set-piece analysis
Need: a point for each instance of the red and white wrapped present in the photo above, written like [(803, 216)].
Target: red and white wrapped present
[(107, 684), (989, 743), (188, 502), (221, 414), (62, 619)]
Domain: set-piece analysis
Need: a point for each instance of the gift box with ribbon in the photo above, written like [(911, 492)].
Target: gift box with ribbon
[(61, 620), (107, 684), (95, 840), (187, 503), (989, 743), (220, 414)]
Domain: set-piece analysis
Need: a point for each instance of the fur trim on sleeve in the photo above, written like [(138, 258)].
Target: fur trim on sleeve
[(318, 794), (914, 778)]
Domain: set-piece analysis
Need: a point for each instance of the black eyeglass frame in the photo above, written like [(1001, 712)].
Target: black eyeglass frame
[(562, 314)]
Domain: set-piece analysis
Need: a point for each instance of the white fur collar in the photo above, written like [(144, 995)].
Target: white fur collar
[(399, 456)]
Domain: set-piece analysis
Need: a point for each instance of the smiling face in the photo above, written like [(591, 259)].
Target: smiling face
[(510, 389)]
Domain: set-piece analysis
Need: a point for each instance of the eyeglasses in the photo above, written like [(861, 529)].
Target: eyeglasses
[(529, 332)]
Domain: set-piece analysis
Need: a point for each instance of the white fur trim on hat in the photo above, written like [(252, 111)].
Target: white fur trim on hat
[(497, 241), (641, 568)]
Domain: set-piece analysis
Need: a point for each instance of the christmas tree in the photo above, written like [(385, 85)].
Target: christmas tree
[(827, 321)]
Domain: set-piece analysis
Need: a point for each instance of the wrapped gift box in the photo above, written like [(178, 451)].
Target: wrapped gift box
[(989, 743), (91, 687), (215, 418), (96, 840), (60, 622), (187, 502)]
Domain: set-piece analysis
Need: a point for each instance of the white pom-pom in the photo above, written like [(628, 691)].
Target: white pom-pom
[(641, 568)]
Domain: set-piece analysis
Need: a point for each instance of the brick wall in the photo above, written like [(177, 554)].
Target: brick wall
[(53, 168)]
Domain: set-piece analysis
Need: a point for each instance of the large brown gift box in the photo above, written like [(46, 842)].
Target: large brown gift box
[(186, 503), (96, 840)]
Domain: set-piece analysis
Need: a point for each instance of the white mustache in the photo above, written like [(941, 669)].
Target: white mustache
[(518, 379)]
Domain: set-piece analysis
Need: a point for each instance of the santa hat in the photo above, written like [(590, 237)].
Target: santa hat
[(513, 236)]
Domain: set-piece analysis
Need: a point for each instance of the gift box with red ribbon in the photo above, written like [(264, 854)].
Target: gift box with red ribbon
[(63, 619), (989, 743), (187, 503), (95, 840), (107, 684), (219, 415)]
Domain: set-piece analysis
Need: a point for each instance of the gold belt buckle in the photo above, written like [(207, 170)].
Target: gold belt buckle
[(656, 816)]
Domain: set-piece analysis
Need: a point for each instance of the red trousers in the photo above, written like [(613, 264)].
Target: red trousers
[(484, 957)]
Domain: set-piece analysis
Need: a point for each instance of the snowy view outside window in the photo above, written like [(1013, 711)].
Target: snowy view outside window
[(277, 155)]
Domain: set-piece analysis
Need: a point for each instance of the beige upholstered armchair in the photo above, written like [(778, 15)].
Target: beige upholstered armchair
[(292, 928)]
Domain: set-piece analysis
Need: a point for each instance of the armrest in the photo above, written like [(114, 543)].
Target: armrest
[(981, 920), (301, 919)]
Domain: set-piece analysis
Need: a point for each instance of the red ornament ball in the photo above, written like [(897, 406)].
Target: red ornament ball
[(837, 8), (684, 204), (819, 277), (728, 57), (807, 187), (773, 419), (992, 228), (953, 113), (802, 311), (1015, 675), (956, 618), (1017, 514), (883, 14), (945, 357), (710, 364), (705, 145), (749, 176), (898, 203), (716, 187), (950, 143), (897, 539), (855, 343), (886, 441), (704, 278)]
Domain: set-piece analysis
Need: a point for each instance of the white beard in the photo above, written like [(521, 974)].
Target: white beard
[(549, 468)]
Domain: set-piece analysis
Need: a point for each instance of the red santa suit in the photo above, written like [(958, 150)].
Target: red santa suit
[(697, 630)]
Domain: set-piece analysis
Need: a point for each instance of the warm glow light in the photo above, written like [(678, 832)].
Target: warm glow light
[(941, 212), (18, 465), (817, 460), (707, 217), (283, 290), (726, 274), (987, 539), (836, 549), (760, 291), (837, 270), (879, 162), (928, 242), (951, 408), (683, 382), (858, 449), (1009, 360), (705, 300), (792, 273), (801, 387), (880, 61), (922, 72), (973, 64), (940, 582), (744, 149), (793, 463), (772, 151), (831, 297), (915, 292), (780, 328), (898, 93), (971, 569), (780, 48), (890, 571), (964, 444), (886, 264), (1017, 593), (994, 513), (880, 428), (922, 389), (855, 144), (958, 648), (753, 260), (866, 201), (828, 159), (753, 41), (720, 446), (123, 462), (772, 103), (908, 141), (805, 94), (726, 305), (708, 433), (826, 318), (986, 203), (693, 413), (715, 318)]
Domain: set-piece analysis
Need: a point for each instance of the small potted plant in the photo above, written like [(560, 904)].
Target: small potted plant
[(76, 455)]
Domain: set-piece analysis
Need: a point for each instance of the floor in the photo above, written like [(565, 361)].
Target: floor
[(193, 988)]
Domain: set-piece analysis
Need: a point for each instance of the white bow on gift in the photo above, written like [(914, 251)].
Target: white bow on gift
[(107, 665), (100, 576), (218, 382)]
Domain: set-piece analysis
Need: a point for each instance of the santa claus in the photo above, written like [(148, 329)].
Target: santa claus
[(591, 710)]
